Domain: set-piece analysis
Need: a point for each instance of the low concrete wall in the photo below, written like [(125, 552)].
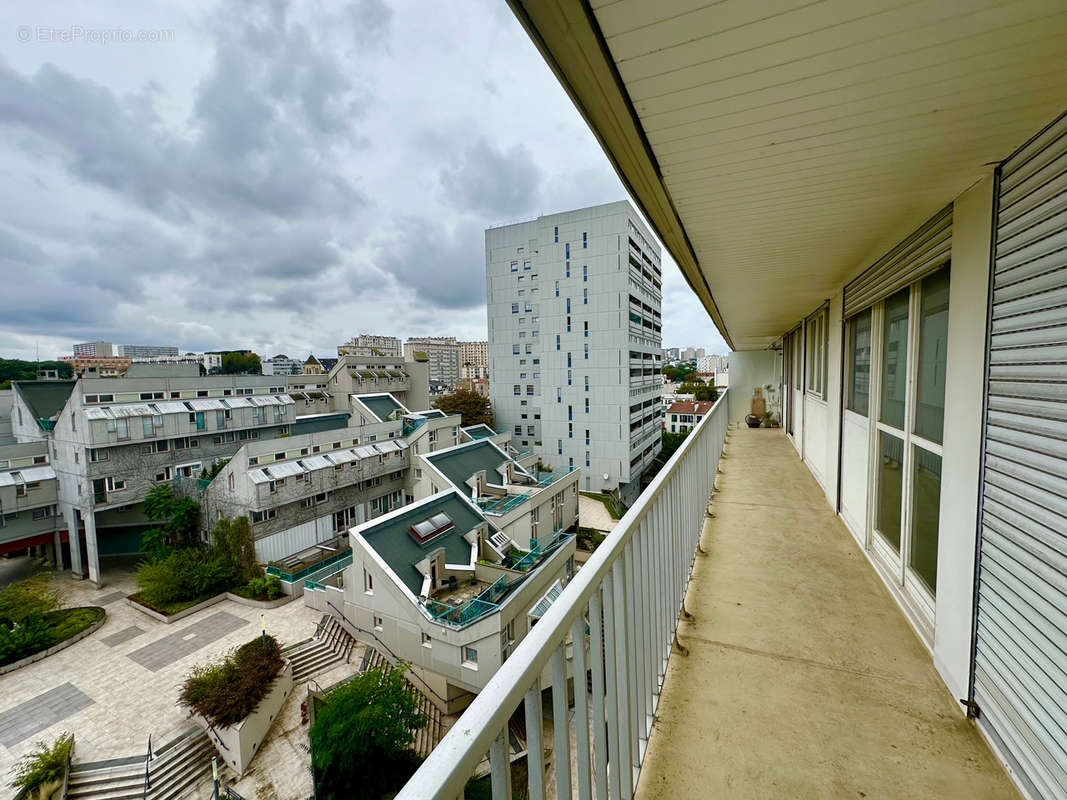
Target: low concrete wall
[(246, 601), (238, 744), (25, 662), (169, 618), (318, 598)]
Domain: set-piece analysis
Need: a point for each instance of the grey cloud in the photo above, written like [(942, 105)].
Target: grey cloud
[(443, 267), (371, 20), (493, 181)]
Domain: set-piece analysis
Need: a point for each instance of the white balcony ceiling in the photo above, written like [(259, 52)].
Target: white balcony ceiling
[(780, 146)]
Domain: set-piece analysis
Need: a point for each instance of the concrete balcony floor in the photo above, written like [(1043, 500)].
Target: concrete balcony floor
[(803, 679)]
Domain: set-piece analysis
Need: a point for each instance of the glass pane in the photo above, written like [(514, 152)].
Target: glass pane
[(859, 362), (894, 359), (926, 506), (933, 349), (890, 487), (798, 363)]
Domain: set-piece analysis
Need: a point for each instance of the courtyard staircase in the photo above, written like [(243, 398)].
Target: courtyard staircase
[(175, 771), (331, 645), (426, 737)]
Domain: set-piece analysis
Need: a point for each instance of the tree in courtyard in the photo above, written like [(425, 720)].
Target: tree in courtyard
[(471, 406), (232, 541), (361, 739), (177, 520)]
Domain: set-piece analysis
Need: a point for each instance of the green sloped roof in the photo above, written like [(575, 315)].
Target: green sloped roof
[(394, 543), (459, 463), (380, 405), (45, 398)]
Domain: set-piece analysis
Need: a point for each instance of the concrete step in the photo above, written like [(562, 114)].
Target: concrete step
[(313, 666), (175, 769)]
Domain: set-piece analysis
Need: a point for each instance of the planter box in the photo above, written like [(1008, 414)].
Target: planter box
[(239, 743), (169, 618), (247, 601), (22, 662)]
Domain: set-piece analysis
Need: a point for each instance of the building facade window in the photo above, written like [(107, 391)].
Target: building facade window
[(859, 363)]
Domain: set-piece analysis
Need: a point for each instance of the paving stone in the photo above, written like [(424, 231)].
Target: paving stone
[(120, 637), (108, 598), (188, 640), (32, 716)]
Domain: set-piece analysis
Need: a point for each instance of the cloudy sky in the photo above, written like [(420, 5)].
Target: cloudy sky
[(276, 176)]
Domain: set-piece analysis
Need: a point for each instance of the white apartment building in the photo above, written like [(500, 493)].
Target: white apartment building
[(714, 364), (137, 351), (442, 353), (474, 360), (367, 344), (575, 331), (211, 362), (281, 364)]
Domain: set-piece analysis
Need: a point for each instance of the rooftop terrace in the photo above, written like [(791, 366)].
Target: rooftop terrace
[(391, 540)]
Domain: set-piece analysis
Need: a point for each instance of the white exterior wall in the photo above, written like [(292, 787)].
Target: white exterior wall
[(403, 623), (749, 369), (606, 310), (816, 426)]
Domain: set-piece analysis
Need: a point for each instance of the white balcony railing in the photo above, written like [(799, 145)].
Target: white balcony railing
[(624, 604)]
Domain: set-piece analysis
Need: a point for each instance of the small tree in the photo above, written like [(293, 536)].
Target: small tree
[(361, 738), (38, 773), (233, 541), (471, 406), (178, 520)]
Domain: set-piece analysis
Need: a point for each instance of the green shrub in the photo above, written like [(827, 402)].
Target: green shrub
[(30, 597), (43, 765), (38, 632), (188, 574), (265, 587), (226, 692)]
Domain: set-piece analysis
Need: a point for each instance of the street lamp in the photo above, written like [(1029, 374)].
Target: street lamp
[(215, 774), (263, 625)]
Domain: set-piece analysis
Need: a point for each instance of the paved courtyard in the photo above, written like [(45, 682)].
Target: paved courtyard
[(593, 514), (120, 685)]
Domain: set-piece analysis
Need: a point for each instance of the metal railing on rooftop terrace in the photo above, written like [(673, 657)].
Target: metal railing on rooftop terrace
[(501, 505), (633, 590), (548, 477), (291, 576)]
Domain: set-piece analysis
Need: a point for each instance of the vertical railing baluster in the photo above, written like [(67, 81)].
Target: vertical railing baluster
[(622, 671), (596, 663), (611, 659), (632, 652), (535, 750), (500, 767), (581, 708), (561, 753), (640, 647)]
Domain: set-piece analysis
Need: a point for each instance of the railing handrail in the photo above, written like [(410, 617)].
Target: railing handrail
[(446, 770)]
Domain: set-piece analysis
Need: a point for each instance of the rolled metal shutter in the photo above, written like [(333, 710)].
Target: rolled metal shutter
[(917, 256), (1020, 669)]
